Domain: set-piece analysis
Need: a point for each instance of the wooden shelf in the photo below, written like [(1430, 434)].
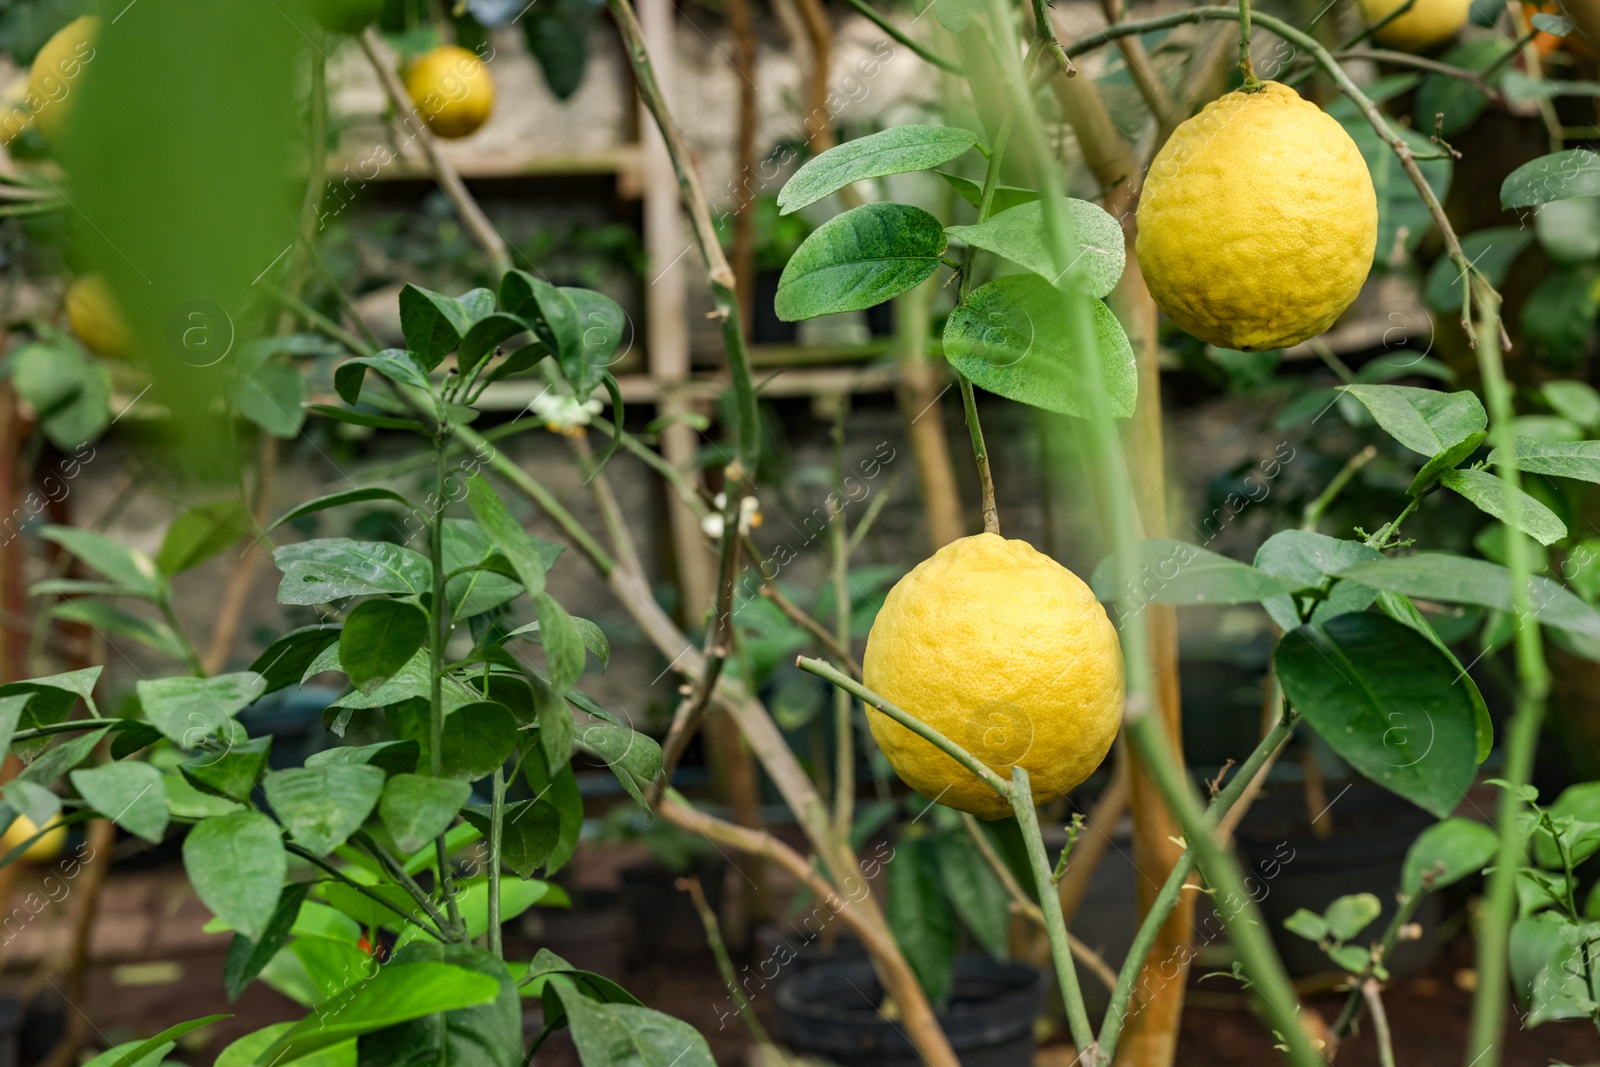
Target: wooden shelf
[(623, 162)]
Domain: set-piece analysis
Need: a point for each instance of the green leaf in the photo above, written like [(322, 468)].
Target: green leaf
[(391, 757), (602, 327), (32, 799), (897, 150), (594, 638), (246, 1051), (1352, 958), (1176, 572), (563, 646), (860, 259), (976, 893), (921, 919), (398, 993), (286, 659), (488, 585), (529, 831), (624, 1035), (11, 708), (553, 314), (49, 701), (556, 727), (1558, 459), (149, 1053), (246, 957), (332, 568), (432, 324), (634, 758), (129, 568), (188, 710), (1306, 924), (416, 809), (488, 1035), (561, 791), (273, 396), (1351, 914), (393, 363), (236, 864), (1491, 494), (322, 806), (1385, 700), (1491, 251), (1388, 366), (69, 392), (232, 773), (130, 794), (507, 534), (485, 334), (1424, 420), (370, 419), (200, 533), (380, 637), (1578, 401), (1460, 580), (106, 617), (1445, 461), (1558, 176), (477, 738), (1307, 560), (394, 907), (1020, 235), (337, 500), (1447, 852), (1569, 232), (1006, 197), (1014, 338)]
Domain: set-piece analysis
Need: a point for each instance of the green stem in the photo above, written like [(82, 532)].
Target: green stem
[(1055, 924), (1246, 927), (719, 949), (1381, 538), (1167, 898), (1353, 1001), (920, 50), (497, 810), (1247, 66), (191, 656), (397, 871), (844, 774), (1314, 511), (66, 728), (366, 891), (1533, 678), (316, 318), (969, 407), (438, 638), (519, 478), (909, 721)]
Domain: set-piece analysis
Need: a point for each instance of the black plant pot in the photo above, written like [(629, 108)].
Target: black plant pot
[(1292, 868), (831, 1011), (664, 921)]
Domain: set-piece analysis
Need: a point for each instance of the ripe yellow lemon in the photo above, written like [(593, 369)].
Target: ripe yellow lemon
[(1007, 653), (1429, 22), (94, 316), (55, 70), (15, 115), (452, 89), (1258, 221), (43, 850)]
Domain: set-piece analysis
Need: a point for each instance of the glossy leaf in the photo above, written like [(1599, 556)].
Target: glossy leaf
[(602, 327), (633, 757), (1005, 196), (624, 1035), (286, 659), (232, 773), (127, 567), (393, 363), (1176, 572), (529, 831), (417, 809), (322, 806), (1445, 461), (188, 710), (474, 592), (391, 757), (200, 533), (897, 150), (1308, 560), (478, 738), (332, 568), (380, 637), (130, 794), (563, 646), (1424, 420), (1460, 580), (507, 534), (1013, 337), (485, 1035), (1447, 852), (920, 917), (246, 956), (485, 334), (1557, 176), (1491, 494), (432, 323), (858, 259), (1558, 459), (1385, 700), (236, 864), (338, 500), (560, 790), (975, 892), (1020, 235), (371, 419)]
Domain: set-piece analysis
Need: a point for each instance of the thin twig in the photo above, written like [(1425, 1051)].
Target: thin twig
[(1045, 30), (922, 51), (1380, 1022), (719, 949), (797, 615), (1477, 79)]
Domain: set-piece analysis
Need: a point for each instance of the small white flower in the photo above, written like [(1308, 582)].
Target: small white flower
[(565, 414)]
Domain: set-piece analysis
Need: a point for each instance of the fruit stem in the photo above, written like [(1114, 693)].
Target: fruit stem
[(969, 405), (1247, 66)]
